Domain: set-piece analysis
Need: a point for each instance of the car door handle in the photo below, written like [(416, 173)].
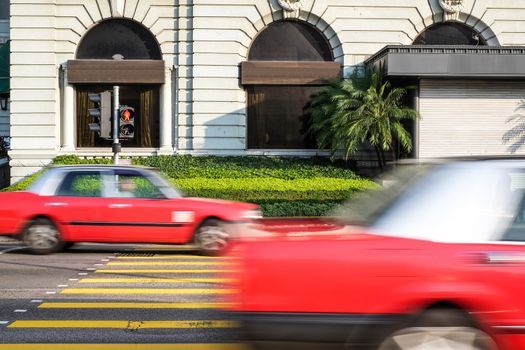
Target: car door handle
[(57, 204), (505, 257), (120, 205)]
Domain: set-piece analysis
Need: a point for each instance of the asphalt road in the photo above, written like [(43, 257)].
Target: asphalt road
[(96, 296)]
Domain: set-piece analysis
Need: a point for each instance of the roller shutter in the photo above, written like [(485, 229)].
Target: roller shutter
[(478, 117)]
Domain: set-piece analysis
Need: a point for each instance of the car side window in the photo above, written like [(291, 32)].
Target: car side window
[(81, 184), (516, 229), (134, 185)]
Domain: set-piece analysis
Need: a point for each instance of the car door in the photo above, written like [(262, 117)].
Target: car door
[(76, 204), (496, 268), (135, 210)]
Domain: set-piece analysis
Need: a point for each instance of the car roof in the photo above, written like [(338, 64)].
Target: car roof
[(99, 166)]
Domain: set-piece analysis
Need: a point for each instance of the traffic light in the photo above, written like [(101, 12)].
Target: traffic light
[(101, 113), (126, 122)]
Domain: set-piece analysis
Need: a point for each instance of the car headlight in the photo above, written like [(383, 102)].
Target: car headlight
[(252, 214)]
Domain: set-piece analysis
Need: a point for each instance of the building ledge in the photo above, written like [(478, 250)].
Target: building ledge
[(429, 61)]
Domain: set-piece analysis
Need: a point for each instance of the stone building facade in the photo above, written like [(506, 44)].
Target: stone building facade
[(230, 76)]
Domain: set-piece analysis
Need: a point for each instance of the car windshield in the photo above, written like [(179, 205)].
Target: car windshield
[(448, 202)]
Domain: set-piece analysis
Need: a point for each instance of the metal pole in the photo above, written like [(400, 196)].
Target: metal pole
[(116, 144)]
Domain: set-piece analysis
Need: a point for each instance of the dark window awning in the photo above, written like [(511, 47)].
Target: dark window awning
[(429, 61), (4, 69), (289, 72), (115, 71)]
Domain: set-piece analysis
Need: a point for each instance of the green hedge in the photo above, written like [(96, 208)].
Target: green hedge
[(182, 167), (24, 183), (281, 186)]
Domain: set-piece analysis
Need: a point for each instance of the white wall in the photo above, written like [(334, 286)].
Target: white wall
[(206, 40), (45, 34)]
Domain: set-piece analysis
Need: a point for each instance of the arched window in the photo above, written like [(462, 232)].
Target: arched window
[(287, 62), (449, 33), (119, 36), (122, 39)]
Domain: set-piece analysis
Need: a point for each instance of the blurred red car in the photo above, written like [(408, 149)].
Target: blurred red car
[(115, 204), (436, 260)]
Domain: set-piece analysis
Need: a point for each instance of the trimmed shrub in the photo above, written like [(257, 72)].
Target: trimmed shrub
[(24, 183), (212, 167), (281, 186)]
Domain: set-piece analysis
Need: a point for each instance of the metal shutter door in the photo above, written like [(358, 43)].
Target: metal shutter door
[(471, 117)]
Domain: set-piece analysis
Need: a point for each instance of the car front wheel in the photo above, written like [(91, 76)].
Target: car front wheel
[(41, 236), (211, 237), (439, 330)]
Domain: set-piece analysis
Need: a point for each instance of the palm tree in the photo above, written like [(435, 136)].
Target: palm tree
[(348, 112)]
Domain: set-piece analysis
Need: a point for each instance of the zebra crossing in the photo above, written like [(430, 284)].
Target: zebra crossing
[(137, 300)]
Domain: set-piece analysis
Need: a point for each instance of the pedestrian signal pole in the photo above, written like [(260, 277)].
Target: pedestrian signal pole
[(116, 107)]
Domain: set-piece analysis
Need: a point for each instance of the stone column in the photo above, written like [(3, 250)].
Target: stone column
[(166, 115), (67, 119)]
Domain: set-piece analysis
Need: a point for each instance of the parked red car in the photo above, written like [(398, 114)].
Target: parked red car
[(436, 260), (115, 204)]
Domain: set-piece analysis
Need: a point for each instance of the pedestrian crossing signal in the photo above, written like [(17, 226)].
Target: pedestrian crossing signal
[(126, 122)]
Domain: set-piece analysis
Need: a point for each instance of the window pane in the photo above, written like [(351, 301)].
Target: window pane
[(276, 116), (81, 184), (290, 41), (119, 36), (449, 34), (136, 186), (516, 231)]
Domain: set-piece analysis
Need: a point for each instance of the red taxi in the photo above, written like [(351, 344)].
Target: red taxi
[(116, 204), (435, 260)]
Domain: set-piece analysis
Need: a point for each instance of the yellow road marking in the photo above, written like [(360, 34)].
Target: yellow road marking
[(122, 324), (144, 291), (163, 271), (155, 280), (124, 305), (187, 263), (110, 346)]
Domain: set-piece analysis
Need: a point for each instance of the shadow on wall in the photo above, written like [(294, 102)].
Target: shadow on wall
[(516, 135), (217, 130)]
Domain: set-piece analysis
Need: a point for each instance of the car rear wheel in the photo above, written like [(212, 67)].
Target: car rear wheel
[(439, 330), (211, 237), (41, 236)]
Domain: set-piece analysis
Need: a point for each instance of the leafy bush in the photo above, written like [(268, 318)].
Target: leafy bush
[(298, 208), (281, 186), (72, 159), (184, 167), (24, 183)]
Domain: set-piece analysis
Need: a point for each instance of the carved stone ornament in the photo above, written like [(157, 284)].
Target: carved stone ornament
[(291, 7), (451, 6)]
